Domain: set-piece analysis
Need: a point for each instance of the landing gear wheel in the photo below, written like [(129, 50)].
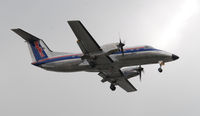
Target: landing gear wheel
[(112, 87), (160, 70)]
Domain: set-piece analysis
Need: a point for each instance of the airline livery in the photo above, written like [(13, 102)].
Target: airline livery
[(113, 62)]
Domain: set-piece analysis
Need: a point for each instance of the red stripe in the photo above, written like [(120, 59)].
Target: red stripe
[(39, 49), (134, 48), (56, 57), (75, 55)]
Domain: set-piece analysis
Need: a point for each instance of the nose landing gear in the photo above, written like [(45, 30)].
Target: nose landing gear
[(160, 68)]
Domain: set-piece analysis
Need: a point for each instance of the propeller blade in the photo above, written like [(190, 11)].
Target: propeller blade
[(140, 76), (140, 70), (122, 49), (121, 45)]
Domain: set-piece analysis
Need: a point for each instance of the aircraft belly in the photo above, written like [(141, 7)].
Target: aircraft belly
[(129, 59), (65, 66)]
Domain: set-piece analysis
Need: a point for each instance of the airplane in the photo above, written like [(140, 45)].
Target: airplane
[(113, 62)]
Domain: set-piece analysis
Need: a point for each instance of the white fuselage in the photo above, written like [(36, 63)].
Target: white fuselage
[(132, 56), (113, 62)]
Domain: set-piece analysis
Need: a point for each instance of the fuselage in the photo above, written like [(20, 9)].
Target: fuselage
[(132, 56)]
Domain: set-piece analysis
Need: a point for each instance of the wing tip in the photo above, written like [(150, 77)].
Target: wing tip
[(133, 90), (71, 21), (16, 29)]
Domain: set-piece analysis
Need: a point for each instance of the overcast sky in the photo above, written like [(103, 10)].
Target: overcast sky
[(170, 25)]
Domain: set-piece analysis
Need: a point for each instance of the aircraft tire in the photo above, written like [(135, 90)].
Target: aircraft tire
[(112, 87), (160, 70)]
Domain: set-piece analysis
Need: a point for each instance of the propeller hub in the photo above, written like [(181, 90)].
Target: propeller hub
[(121, 45)]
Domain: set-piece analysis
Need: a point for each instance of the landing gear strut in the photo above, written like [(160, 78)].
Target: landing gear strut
[(112, 87), (160, 68)]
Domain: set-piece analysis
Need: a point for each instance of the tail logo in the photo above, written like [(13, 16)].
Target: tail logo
[(39, 49)]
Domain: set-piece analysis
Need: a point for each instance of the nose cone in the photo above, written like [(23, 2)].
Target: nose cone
[(174, 57)]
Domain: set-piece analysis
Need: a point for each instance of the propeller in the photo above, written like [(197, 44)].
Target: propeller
[(140, 70), (121, 45)]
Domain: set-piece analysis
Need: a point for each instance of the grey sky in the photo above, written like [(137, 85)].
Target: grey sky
[(171, 25)]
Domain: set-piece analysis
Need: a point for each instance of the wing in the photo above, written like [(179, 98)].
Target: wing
[(126, 85), (88, 45), (85, 41), (117, 77)]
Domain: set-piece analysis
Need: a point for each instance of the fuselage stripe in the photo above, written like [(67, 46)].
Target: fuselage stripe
[(76, 56)]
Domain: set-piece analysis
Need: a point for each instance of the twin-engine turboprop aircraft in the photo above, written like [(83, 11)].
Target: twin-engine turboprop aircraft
[(113, 62)]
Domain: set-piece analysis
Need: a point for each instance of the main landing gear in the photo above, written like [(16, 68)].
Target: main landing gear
[(160, 68), (112, 87)]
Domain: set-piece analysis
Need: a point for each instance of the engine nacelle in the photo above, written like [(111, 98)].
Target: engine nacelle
[(110, 48), (129, 72)]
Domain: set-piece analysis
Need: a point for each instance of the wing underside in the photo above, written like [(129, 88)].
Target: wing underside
[(126, 85), (116, 77), (90, 47)]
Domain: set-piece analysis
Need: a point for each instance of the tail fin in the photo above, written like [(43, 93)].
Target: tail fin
[(38, 49)]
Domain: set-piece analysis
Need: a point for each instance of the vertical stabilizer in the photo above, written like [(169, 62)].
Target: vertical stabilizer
[(38, 49)]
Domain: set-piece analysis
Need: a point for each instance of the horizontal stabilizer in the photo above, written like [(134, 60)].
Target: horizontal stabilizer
[(25, 35)]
